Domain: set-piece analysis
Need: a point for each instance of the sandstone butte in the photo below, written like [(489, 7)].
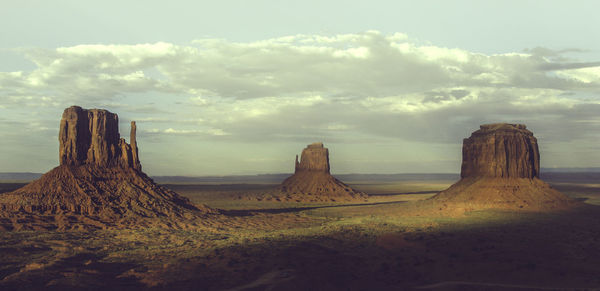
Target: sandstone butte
[(500, 169), (313, 182), (98, 184)]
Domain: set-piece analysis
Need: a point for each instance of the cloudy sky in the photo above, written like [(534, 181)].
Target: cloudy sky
[(240, 87)]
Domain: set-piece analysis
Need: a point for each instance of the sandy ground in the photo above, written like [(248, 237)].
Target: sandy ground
[(382, 244)]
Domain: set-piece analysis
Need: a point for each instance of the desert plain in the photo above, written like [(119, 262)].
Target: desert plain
[(98, 222), (343, 122), (385, 243)]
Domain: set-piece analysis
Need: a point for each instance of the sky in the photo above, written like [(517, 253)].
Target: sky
[(241, 87)]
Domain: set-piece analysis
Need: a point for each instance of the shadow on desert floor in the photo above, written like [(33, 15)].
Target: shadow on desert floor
[(249, 212), (485, 251), (364, 246)]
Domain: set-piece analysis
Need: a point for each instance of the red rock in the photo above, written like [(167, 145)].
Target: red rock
[(135, 160), (315, 158), (500, 169), (312, 181), (91, 137), (501, 150), (98, 184)]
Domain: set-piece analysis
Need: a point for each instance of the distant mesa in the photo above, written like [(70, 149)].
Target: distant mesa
[(98, 184), (315, 158), (312, 181), (500, 169)]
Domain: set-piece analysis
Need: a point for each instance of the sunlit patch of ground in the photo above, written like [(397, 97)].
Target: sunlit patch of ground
[(587, 192), (382, 244)]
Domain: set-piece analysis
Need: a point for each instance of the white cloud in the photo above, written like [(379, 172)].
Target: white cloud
[(364, 87), (367, 64), (208, 131), (589, 76)]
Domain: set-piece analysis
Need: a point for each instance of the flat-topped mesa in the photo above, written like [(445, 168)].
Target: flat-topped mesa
[(501, 150), (315, 158), (500, 169), (91, 137)]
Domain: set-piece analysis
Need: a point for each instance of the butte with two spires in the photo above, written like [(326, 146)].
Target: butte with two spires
[(98, 184), (313, 182)]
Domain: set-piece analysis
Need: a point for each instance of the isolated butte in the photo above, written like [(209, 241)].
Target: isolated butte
[(500, 169), (98, 184), (313, 182)]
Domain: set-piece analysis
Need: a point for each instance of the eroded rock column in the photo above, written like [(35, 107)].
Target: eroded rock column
[(315, 158), (501, 150)]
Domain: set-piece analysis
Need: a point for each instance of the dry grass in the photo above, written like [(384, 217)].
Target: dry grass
[(379, 245)]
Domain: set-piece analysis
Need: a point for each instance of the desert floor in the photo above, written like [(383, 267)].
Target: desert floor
[(382, 244)]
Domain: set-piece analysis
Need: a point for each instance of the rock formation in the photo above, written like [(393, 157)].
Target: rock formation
[(312, 181), (501, 150), (500, 169), (315, 158), (91, 137), (98, 184)]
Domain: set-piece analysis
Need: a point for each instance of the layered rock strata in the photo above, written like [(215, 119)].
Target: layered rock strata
[(500, 169), (98, 184)]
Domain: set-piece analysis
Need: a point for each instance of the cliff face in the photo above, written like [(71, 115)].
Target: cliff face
[(500, 169), (315, 158), (91, 137), (501, 150)]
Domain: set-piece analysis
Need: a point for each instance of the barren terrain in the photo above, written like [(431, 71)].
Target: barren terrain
[(381, 244)]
